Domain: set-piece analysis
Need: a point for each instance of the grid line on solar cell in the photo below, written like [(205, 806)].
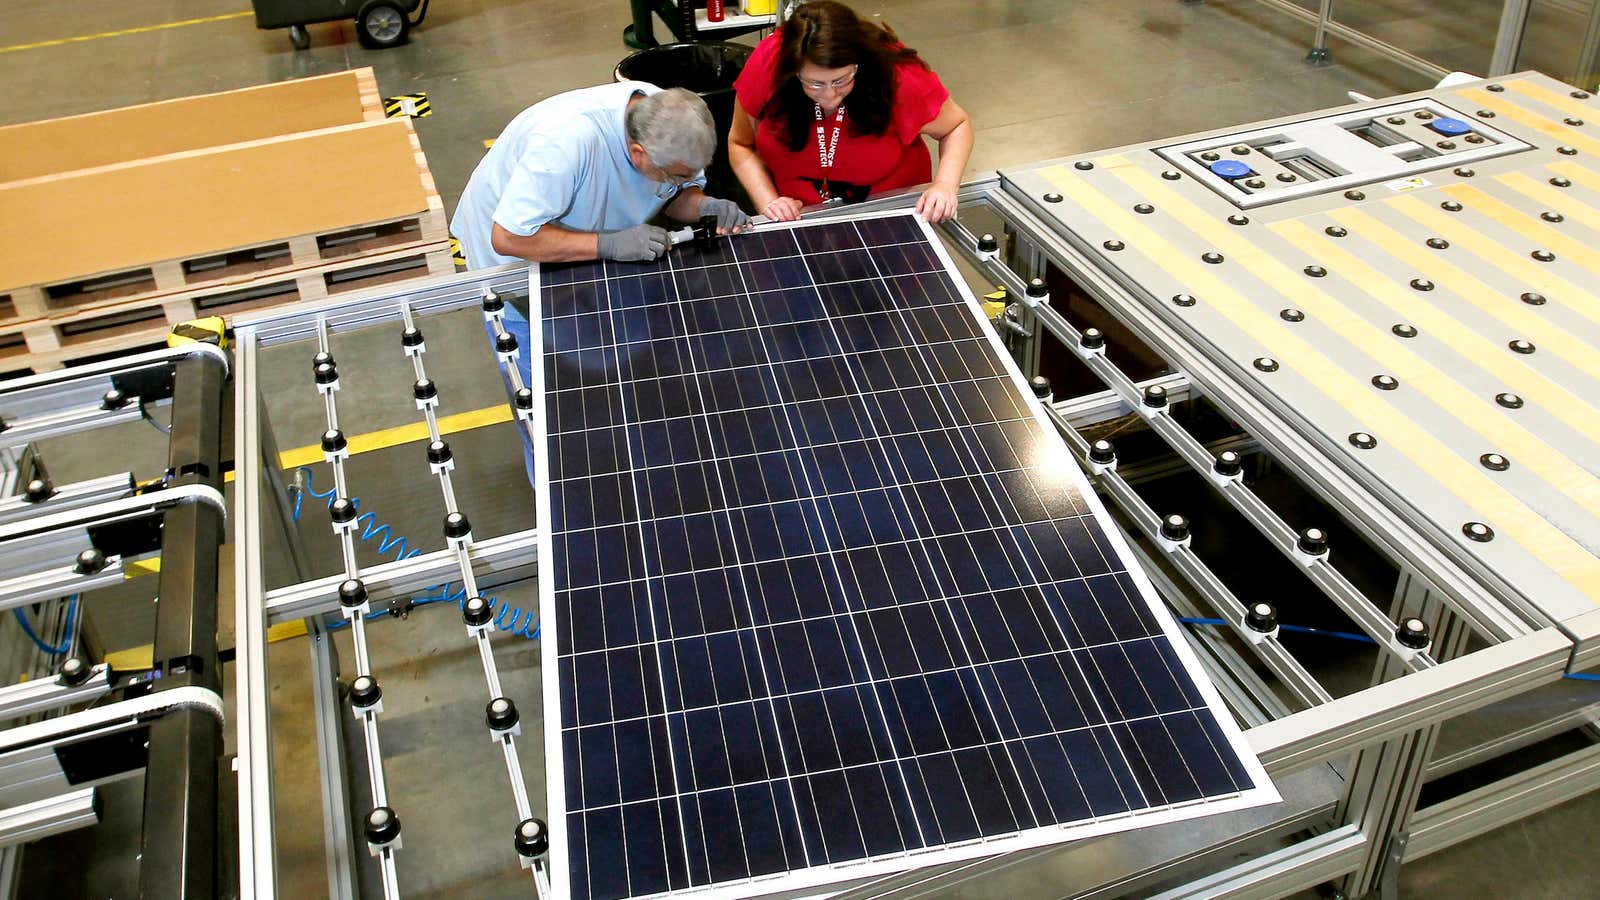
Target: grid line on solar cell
[(813, 657)]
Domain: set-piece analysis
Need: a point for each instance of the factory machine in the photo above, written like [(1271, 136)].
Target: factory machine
[(78, 730), (1332, 374)]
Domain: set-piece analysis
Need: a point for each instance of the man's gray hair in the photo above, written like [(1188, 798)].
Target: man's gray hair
[(674, 127)]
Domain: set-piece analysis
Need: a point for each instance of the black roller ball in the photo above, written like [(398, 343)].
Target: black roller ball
[(1354, 195), (1037, 288), (1451, 206), (1363, 441), (456, 525), (1313, 542), (1228, 463), (342, 510), (1184, 299), (1477, 531), (1083, 165), (37, 491), (476, 612), (365, 692), (492, 302), (1092, 339), (424, 389), (1174, 527), (411, 337), (326, 373), (1143, 209), (323, 358), (333, 441), (505, 342), (113, 399), (1494, 462), (1266, 364), (89, 562), (1509, 401), (1052, 197), (352, 593), (1155, 396), (988, 244), (1261, 617), (523, 398), (1335, 231), (1212, 257), (532, 839), (382, 826), (501, 714), (1113, 245), (1412, 633), (1040, 386), (439, 453), (75, 672), (1102, 452)]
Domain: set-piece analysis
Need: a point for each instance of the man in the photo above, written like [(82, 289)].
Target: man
[(578, 176)]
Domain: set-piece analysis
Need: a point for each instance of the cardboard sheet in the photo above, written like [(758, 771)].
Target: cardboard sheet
[(94, 139), (208, 201)]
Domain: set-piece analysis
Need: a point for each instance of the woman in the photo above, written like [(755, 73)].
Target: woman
[(831, 105)]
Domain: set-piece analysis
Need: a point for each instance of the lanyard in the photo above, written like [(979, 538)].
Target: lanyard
[(826, 149)]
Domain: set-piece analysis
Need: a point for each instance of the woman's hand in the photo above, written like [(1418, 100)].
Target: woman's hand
[(937, 203), (782, 209)]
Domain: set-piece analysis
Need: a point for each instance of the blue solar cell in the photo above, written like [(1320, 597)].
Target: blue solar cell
[(822, 592)]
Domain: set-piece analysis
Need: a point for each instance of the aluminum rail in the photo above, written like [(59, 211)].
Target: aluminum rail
[(507, 351), (52, 815), (356, 612)]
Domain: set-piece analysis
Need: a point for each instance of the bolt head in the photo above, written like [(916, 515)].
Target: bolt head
[(382, 826)]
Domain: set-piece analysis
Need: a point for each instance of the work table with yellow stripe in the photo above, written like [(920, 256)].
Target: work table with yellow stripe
[(1436, 335)]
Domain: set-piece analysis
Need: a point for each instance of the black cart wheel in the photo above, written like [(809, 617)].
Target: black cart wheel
[(382, 24), (299, 37)]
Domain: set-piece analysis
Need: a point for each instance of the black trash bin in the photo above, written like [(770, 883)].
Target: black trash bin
[(709, 70)]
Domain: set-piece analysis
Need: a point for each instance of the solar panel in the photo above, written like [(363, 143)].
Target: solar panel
[(826, 595)]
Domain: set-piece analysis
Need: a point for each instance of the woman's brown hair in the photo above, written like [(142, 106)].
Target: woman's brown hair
[(832, 36)]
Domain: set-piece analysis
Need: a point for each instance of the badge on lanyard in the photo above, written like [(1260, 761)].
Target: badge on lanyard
[(827, 147)]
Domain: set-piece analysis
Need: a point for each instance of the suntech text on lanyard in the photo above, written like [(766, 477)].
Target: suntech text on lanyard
[(826, 148)]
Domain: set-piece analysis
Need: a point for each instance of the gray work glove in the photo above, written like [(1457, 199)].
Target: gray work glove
[(641, 243), (730, 217)]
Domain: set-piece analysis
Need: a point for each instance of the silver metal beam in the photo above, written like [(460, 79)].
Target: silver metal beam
[(41, 694), (496, 561), (1434, 828), (54, 815)]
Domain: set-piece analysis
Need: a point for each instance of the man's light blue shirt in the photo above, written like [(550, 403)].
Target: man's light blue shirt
[(562, 160)]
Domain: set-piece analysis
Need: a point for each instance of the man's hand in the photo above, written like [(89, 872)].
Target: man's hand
[(641, 243), (730, 218), (783, 209)]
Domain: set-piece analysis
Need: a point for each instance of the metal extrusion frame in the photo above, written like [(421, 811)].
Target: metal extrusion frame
[(1351, 768), (178, 713)]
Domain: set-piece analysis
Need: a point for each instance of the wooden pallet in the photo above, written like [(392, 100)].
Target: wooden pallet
[(43, 345), (53, 146)]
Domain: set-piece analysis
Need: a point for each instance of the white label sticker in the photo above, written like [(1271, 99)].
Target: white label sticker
[(1413, 183)]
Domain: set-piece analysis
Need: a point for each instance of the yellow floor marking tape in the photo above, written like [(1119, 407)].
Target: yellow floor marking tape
[(1519, 319), (1501, 433), (125, 31), (1490, 356), (1517, 263), (400, 434), (143, 657), (147, 566), (1504, 512), (1536, 121), (1553, 198), (1572, 106)]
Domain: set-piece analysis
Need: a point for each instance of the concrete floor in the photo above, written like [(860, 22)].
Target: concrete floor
[(1041, 78)]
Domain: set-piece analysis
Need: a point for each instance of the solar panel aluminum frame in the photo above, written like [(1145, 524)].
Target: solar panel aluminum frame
[(822, 876)]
